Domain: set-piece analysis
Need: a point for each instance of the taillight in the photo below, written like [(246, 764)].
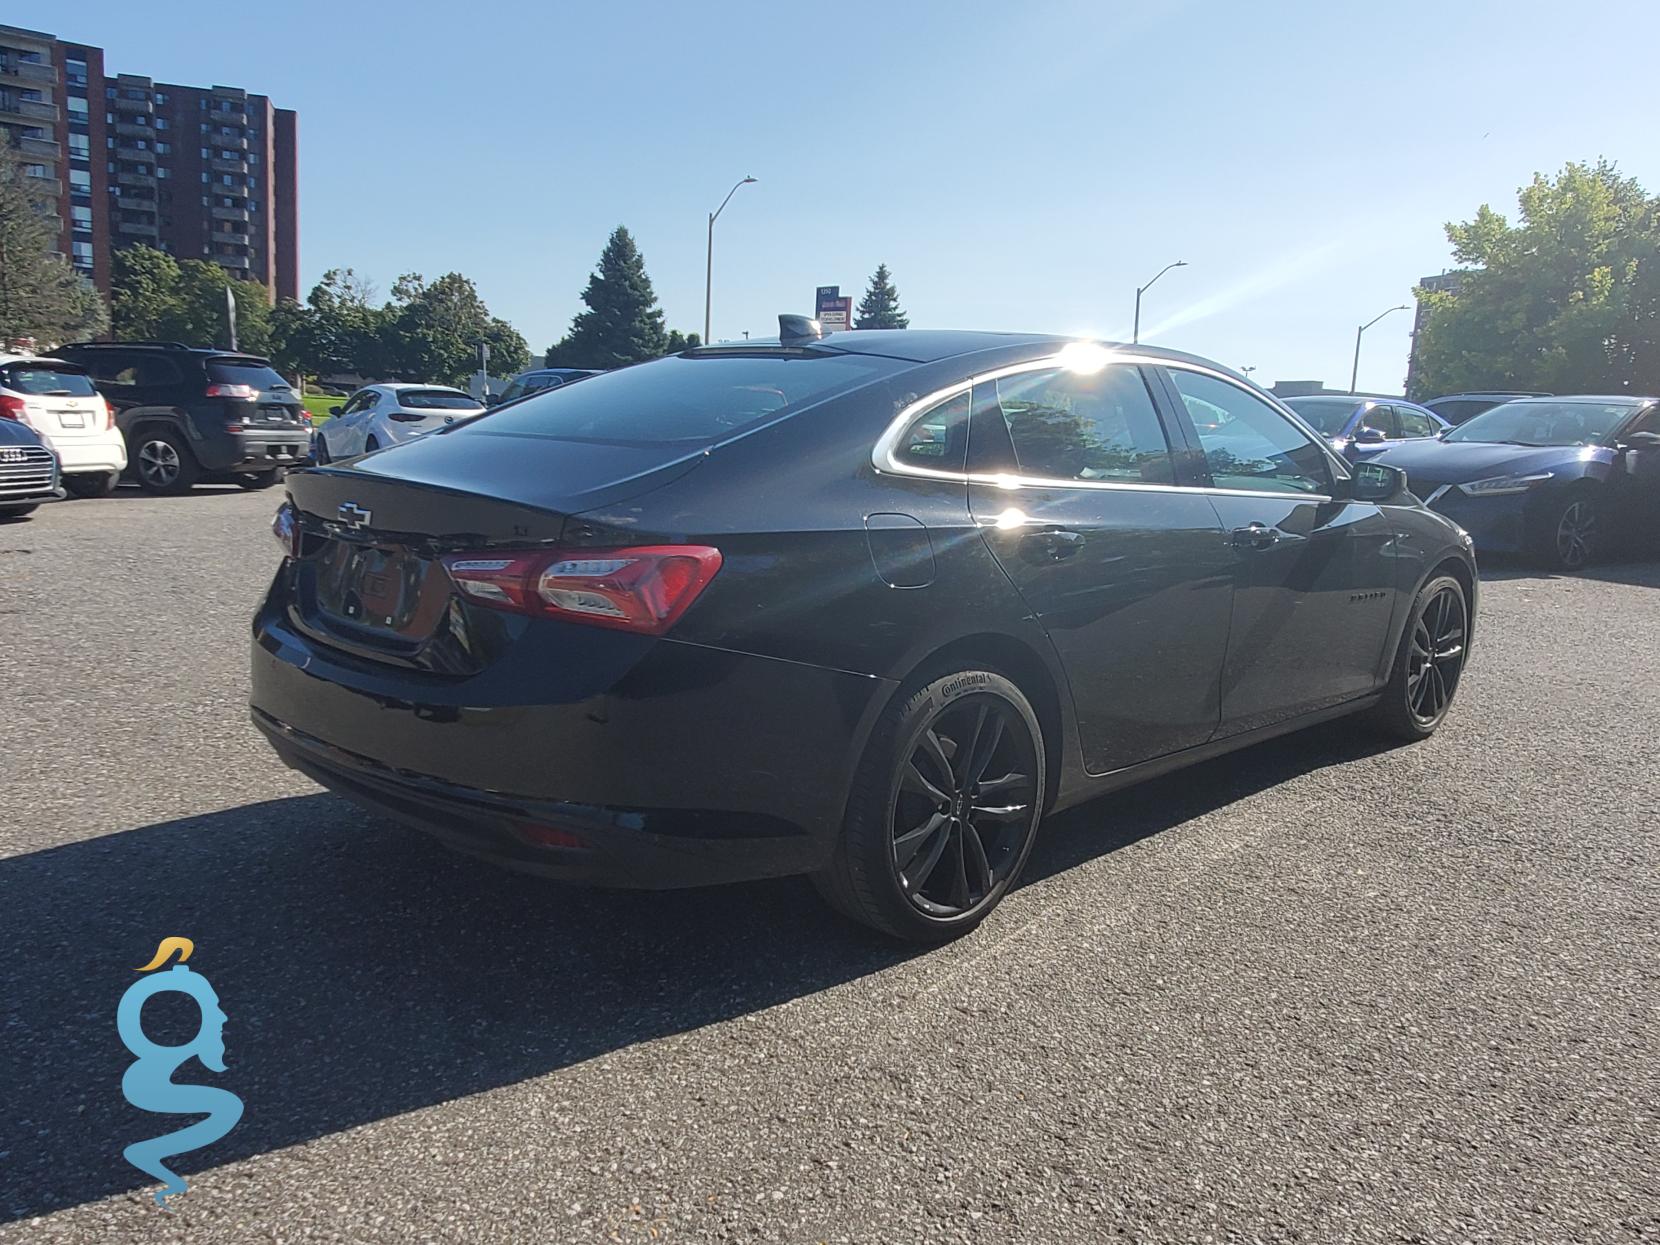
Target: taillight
[(644, 590), (11, 407), (242, 393), (109, 415), (286, 528)]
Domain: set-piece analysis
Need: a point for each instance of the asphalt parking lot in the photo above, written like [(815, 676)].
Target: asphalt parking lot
[(1323, 990)]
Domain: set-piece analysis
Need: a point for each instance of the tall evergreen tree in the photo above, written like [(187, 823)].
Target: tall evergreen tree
[(42, 298), (879, 309), (623, 323)]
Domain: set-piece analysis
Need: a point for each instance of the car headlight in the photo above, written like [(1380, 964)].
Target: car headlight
[(1497, 486)]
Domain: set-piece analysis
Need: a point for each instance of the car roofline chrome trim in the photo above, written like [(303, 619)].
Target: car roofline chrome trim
[(884, 459)]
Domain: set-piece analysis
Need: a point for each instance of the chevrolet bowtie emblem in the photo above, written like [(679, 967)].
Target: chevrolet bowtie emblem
[(355, 516)]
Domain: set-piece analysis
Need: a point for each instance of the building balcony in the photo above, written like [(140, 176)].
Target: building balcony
[(226, 235), (228, 166), (145, 105), (126, 151), (131, 128), (137, 228), (47, 147), (27, 109), (225, 213), (242, 262), (27, 71), (46, 185), (124, 178)]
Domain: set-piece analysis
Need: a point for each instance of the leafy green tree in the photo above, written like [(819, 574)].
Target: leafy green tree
[(42, 297), (158, 297), (879, 308), (677, 341), (623, 323), (1566, 300), (434, 331), (338, 329)]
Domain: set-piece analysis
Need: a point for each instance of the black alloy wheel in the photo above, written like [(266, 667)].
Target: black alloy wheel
[(1575, 538), (944, 810), (965, 805), (1430, 661), (164, 463)]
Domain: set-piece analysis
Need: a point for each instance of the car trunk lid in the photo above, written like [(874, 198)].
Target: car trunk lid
[(369, 577)]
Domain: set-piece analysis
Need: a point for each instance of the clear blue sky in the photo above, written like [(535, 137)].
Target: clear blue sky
[(1018, 165)]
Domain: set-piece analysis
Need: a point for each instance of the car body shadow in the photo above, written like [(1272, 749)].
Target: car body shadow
[(368, 972), (1637, 572)]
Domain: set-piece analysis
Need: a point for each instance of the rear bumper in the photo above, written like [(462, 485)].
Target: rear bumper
[(95, 454), (254, 448), (678, 765)]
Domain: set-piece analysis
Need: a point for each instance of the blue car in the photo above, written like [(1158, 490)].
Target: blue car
[(29, 470), (1559, 480), (1359, 427)]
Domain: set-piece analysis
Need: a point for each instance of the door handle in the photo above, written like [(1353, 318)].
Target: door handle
[(1052, 544), (1255, 536)]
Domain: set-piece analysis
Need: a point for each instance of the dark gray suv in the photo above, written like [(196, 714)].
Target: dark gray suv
[(196, 414)]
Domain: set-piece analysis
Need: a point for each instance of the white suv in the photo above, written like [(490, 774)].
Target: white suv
[(58, 401)]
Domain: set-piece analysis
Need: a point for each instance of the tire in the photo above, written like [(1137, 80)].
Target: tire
[(255, 480), (920, 857), (18, 512), (1570, 533), (163, 463), (1420, 690), (91, 484)]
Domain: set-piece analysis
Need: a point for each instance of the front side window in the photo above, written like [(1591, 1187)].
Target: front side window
[(1414, 424), (1382, 418), (1068, 425), (1249, 445)]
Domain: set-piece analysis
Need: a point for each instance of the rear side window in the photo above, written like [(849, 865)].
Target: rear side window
[(255, 372), (1382, 418), (1414, 424), (684, 399), (938, 438), (435, 400), (136, 369), (61, 381), (1066, 425), (1327, 416)]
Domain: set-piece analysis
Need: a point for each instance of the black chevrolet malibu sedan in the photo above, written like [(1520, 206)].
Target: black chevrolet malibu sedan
[(864, 606)]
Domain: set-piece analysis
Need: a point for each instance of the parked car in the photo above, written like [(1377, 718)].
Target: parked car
[(1559, 479), (1455, 408), (1360, 426), (863, 606), (57, 399), (28, 470), (196, 414), (380, 415), (538, 379)]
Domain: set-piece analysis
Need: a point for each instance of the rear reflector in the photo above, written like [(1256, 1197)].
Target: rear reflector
[(538, 835), (644, 589), (286, 528)]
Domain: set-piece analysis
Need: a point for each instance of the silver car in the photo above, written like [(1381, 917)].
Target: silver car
[(380, 415)]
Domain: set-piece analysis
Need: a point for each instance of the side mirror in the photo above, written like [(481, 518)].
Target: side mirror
[(1369, 436), (1375, 482), (334, 410), (1641, 441), (1441, 433), (492, 399)]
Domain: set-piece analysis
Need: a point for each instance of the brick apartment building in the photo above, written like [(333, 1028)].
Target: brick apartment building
[(200, 172)]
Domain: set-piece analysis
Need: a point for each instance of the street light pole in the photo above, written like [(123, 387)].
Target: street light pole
[(709, 259), (1354, 374), (1135, 336)]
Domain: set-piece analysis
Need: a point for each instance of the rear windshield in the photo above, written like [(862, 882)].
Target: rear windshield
[(687, 399), (255, 372), (1327, 415), (58, 380), (435, 400)]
